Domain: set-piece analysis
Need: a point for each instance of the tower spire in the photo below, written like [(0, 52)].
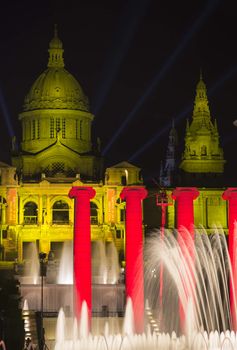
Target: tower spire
[(56, 51), (201, 107), (200, 74), (203, 153)]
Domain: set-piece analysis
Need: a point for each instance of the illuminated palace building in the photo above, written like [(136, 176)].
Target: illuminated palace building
[(56, 153)]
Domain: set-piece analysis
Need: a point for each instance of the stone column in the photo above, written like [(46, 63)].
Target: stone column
[(4, 214), (49, 212), (231, 195), (40, 210), (184, 197), (134, 252), (82, 248)]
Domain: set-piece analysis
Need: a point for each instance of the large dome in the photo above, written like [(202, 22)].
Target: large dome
[(56, 87)]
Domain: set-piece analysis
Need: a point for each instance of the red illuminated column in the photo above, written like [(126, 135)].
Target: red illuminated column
[(184, 197), (82, 247), (134, 252), (231, 195)]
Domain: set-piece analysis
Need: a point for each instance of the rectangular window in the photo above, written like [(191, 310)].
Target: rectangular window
[(23, 131), (4, 234), (51, 128), (122, 215), (38, 129), (58, 125), (81, 130), (118, 234), (76, 129), (28, 129), (33, 130), (63, 128)]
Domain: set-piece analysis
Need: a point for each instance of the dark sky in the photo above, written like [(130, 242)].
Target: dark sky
[(116, 49)]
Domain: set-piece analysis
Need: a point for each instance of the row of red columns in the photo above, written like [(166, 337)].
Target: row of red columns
[(134, 250), (134, 243)]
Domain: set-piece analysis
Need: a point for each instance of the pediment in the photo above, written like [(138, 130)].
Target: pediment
[(57, 152), (124, 165)]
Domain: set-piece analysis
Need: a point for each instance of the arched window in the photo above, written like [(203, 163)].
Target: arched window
[(30, 213), (94, 213), (60, 212)]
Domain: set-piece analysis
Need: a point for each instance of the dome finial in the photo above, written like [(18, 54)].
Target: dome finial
[(56, 50)]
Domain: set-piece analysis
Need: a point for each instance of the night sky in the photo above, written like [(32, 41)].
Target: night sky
[(137, 61)]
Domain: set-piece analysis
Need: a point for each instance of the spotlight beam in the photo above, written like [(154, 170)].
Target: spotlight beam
[(6, 114), (121, 42), (218, 84), (165, 129), (170, 61)]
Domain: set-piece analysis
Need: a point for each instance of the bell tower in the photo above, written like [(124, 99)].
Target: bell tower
[(203, 154)]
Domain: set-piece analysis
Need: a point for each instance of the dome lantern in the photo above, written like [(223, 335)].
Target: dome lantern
[(55, 51), (56, 88)]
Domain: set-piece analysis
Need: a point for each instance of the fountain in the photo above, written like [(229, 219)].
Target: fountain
[(195, 309), (58, 289), (204, 289), (31, 270), (112, 262), (208, 315), (65, 273), (105, 264)]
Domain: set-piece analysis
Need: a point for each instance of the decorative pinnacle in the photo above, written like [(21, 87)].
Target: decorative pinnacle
[(187, 125), (201, 78), (56, 50), (173, 123)]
